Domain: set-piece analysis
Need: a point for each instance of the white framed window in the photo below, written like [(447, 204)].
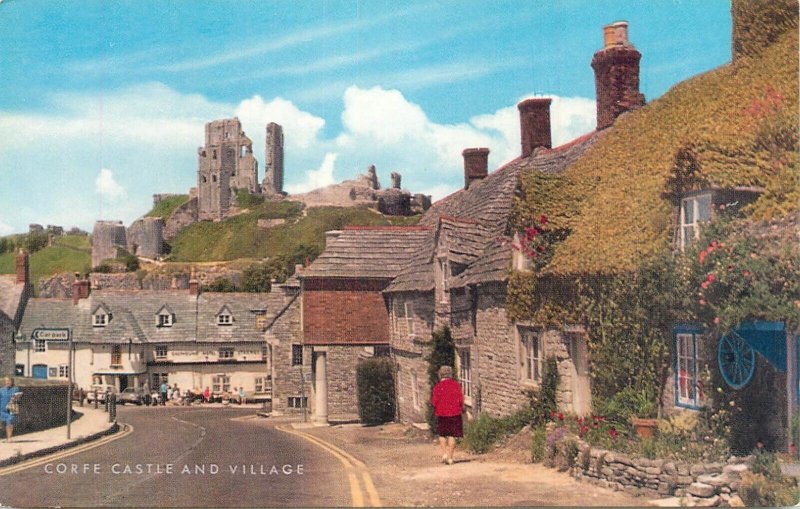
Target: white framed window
[(404, 317), (39, 345), (297, 402), (224, 319), (226, 352), (221, 383), (164, 320), (262, 385), (689, 362), (465, 372), (161, 351), (530, 355), (297, 355), (100, 320), (695, 211), (63, 371), (520, 261)]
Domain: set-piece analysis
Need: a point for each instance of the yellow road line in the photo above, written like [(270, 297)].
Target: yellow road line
[(355, 490), (35, 462), (348, 461)]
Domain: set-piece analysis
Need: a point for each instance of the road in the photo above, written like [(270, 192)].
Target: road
[(186, 457)]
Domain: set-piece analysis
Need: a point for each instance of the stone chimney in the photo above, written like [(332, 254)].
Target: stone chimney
[(476, 165), (616, 75), (534, 123), (80, 290), (194, 285), (23, 269)]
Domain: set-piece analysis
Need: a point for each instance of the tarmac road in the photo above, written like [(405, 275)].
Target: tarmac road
[(185, 457)]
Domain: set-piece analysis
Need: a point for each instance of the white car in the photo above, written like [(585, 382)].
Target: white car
[(101, 391)]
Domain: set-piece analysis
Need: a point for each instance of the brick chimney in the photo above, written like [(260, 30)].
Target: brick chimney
[(80, 290), (23, 270), (534, 123), (476, 165), (616, 75)]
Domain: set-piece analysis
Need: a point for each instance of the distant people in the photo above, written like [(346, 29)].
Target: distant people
[(448, 403), (9, 406), (164, 392), (207, 395), (146, 393), (242, 397), (176, 394)]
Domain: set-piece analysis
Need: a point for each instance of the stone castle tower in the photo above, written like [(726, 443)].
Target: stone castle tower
[(225, 164), (273, 165), (616, 69)]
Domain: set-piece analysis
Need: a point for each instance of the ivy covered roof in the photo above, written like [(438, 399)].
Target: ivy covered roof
[(736, 126)]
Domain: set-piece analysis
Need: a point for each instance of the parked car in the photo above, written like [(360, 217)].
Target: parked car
[(101, 391), (130, 395)]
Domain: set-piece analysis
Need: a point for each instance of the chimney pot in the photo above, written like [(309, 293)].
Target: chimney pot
[(194, 287), (616, 75), (80, 290), (476, 165), (534, 121)]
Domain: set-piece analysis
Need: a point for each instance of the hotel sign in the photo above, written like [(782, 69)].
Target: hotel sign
[(51, 334)]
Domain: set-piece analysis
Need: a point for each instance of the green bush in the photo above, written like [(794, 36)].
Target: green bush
[(627, 403), (257, 278), (221, 284), (538, 445), (376, 398), (246, 200), (482, 433), (765, 486), (543, 401)]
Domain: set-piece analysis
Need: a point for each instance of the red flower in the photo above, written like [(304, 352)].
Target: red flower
[(613, 433), (560, 416), (702, 302), (540, 249), (531, 232), (542, 219), (704, 284), (583, 430), (730, 268), (746, 274), (702, 257), (553, 415), (711, 277)]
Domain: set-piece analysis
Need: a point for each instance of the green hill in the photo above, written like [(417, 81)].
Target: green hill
[(69, 253), (167, 206), (300, 236)]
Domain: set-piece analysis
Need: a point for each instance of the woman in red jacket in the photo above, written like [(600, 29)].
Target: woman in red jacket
[(448, 402)]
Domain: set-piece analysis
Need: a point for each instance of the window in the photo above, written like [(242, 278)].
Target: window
[(165, 320), (689, 362), (381, 351), (694, 211), (116, 355), (297, 355), (261, 321), (39, 345), (158, 379), (100, 320), (404, 317), (19, 370), (443, 273), (161, 352), (264, 353), (242, 151), (224, 317), (221, 383), (262, 385), (63, 371), (226, 352), (530, 355), (465, 372), (297, 402)]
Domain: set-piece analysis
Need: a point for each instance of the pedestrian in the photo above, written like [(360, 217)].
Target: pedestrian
[(448, 403), (241, 396), (176, 394), (164, 390), (207, 395), (9, 406), (146, 393)]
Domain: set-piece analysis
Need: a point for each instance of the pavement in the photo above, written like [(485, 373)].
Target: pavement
[(90, 424)]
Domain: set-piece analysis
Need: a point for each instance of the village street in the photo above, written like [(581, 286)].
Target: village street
[(211, 457)]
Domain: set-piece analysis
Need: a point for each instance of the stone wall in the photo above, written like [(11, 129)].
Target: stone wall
[(700, 485), (7, 349), (286, 379), (412, 387), (341, 371), (43, 405), (146, 237)]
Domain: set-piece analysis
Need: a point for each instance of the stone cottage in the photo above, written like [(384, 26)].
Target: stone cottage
[(15, 291)]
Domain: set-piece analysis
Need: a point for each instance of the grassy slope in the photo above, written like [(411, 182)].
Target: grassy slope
[(240, 237), (70, 253), (167, 206), (611, 198)]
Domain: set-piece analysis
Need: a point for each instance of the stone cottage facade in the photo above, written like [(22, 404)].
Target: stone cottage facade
[(15, 291)]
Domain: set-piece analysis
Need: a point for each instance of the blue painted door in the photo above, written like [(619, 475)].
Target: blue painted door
[(39, 371)]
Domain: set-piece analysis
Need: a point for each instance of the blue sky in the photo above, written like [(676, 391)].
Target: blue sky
[(103, 104)]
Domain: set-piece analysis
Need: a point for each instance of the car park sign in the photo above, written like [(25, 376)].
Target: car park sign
[(51, 334)]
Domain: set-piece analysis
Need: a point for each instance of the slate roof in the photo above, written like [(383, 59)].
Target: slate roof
[(133, 316), (11, 295), (368, 252), (474, 221)]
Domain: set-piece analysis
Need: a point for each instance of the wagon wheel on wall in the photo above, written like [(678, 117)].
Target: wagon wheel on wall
[(737, 360)]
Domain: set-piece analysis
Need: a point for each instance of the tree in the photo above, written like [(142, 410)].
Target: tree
[(257, 278), (443, 353)]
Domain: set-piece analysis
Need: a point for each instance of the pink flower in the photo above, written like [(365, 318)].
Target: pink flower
[(542, 219), (704, 284), (613, 433), (716, 320), (702, 302), (711, 278)]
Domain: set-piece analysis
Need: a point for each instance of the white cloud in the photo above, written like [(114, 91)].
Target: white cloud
[(5, 229), (316, 178), (300, 129), (107, 187)]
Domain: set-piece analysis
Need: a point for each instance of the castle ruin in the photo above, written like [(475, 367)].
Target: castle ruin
[(107, 238), (273, 161)]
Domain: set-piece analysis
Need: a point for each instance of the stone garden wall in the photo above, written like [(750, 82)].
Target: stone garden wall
[(697, 485)]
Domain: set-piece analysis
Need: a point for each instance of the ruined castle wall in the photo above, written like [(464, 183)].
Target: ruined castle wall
[(107, 236), (146, 237), (273, 165), (182, 217)]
